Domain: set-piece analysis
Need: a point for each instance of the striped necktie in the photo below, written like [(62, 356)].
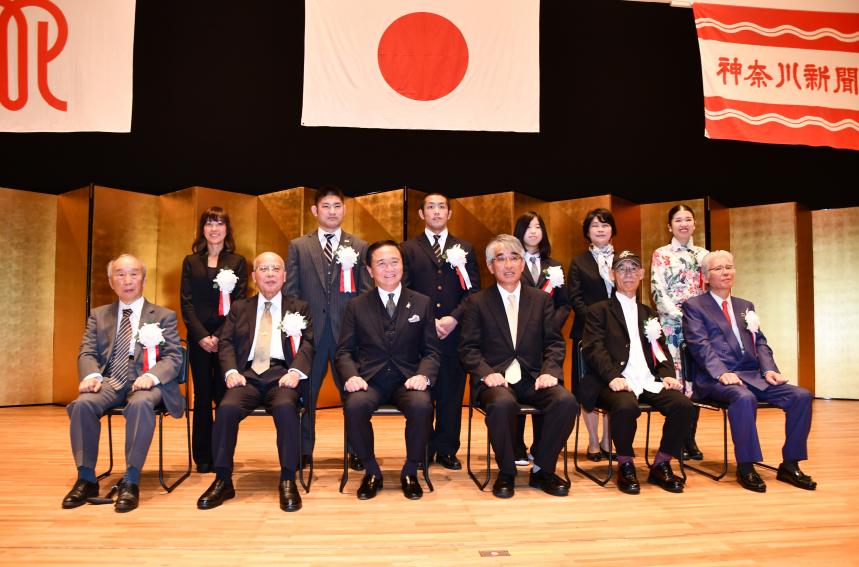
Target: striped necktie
[(435, 247), (121, 347), (329, 250)]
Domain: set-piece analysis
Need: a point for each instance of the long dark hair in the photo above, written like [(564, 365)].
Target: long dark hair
[(522, 225), (676, 209), (216, 214)]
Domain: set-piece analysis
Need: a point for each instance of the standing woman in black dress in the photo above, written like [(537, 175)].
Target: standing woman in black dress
[(545, 273), (212, 278)]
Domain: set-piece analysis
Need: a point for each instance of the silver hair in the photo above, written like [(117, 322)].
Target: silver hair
[(256, 260), (505, 241), (124, 255), (705, 262)]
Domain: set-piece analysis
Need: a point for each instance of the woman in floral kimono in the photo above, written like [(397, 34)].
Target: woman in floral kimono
[(545, 273), (675, 277)]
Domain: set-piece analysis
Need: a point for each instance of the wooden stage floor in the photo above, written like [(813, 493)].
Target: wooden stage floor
[(711, 523)]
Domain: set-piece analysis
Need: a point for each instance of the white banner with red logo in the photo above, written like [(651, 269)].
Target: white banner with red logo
[(422, 64), (66, 65), (781, 76)]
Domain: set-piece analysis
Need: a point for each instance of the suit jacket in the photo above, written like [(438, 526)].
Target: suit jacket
[(606, 347), (715, 349), (199, 299), (438, 280), (237, 335), (586, 287), (486, 345), (308, 280), (370, 341), (97, 347), (561, 295)]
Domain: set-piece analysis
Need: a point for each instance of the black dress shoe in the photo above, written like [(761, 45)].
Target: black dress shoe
[(370, 485), (307, 460), (605, 454), (215, 495), (355, 463), (128, 497), (504, 486), (662, 475), (626, 480), (595, 457), (79, 493), (411, 487), (692, 452), (290, 500), (549, 483), (204, 468), (751, 481), (795, 477), (448, 461)]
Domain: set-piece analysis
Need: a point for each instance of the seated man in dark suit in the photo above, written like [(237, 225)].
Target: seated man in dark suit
[(116, 368), (266, 347), (734, 364), (389, 353), (514, 351), (627, 361)]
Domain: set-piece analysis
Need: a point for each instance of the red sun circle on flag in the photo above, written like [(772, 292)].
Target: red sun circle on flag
[(423, 56)]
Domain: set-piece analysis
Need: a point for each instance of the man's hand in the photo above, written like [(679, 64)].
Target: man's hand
[(545, 381), (730, 378), (494, 380), (417, 382), (774, 378), (209, 344), (445, 326), (89, 385), (355, 383), (235, 379), (289, 380), (143, 383), (619, 384), (672, 383)]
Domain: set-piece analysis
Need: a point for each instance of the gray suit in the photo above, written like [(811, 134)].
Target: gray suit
[(311, 278), (95, 352)]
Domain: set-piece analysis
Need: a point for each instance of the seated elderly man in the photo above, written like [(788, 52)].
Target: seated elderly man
[(130, 353), (734, 364), (514, 351)]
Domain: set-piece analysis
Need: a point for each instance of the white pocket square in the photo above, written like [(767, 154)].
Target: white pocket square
[(414, 318)]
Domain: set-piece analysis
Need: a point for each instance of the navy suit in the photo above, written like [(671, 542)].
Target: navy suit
[(715, 350), (436, 279)]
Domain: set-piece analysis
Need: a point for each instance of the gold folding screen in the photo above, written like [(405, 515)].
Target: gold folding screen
[(792, 263)]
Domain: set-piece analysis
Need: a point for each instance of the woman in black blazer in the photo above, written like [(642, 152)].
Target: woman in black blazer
[(531, 232), (204, 310), (589, 283)]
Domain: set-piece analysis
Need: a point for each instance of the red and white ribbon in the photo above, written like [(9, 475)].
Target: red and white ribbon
[(658, 355), (464, 280), (548, 287), (150, 357), (295, 341), (347, 280), (224, 303)]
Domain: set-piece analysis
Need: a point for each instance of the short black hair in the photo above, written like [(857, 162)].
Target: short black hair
[(602, 215), (329, 191), (379, 244), (521, 228), (430, 194)]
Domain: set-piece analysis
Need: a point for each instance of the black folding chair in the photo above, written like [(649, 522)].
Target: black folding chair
[(302, 411), (383, 410), (524, 409), (161, 412), (687, 363)]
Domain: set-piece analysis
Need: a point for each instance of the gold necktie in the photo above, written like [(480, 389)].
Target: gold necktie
[(262, 352)]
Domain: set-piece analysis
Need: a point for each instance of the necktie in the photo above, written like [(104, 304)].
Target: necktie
[(535, 269), (121, 347), (435, 247), (329, 250), (727, 313), (514, 372), (262, 352), (390, 306)]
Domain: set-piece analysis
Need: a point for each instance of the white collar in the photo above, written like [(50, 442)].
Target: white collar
[(136, 306), (504, 293), (676, 246), (275, 301), (383, 295), (338, 235), (442, 236)]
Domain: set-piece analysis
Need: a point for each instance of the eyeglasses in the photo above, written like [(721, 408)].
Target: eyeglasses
[(628, 270), (270, 268), (513, 258), (720, 269)]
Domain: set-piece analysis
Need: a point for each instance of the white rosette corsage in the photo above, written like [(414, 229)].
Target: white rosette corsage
[(151, 337), (753, 324), (347, 257), (291, 325), (652, 331), (554, 278), (455, 256), (225, 283)]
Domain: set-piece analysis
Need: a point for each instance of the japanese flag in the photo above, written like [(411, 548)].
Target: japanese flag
[(422, 64)]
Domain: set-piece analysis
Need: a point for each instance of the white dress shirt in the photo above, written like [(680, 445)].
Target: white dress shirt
[(637, 373), (734, 327), (441, 240), (136, 309), (384, 294), (335, 242)]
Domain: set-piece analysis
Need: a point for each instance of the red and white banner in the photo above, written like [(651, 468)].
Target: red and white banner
[(781, 76), (66, 65), (422, 64)]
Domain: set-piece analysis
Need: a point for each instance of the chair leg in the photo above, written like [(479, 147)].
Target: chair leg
[(110, 449), (345, 476), (586, 473), (724, 471), (426, 469), (187, 473), (471, 473)]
